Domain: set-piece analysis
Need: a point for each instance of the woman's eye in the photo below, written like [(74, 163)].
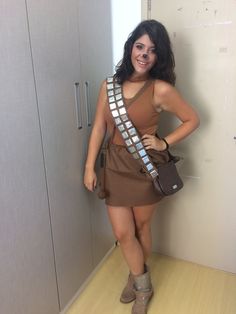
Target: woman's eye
[(139, 47)]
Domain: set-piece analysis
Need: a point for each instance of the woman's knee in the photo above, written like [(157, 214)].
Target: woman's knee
[(123, 235), (143, 216), (143, 226)]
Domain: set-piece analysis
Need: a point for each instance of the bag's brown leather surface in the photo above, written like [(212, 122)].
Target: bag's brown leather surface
[(168, 181)]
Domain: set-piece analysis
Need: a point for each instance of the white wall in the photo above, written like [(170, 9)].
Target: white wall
[(126, 14), (199, 223)]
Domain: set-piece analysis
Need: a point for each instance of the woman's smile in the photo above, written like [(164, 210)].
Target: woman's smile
[(142, 63)]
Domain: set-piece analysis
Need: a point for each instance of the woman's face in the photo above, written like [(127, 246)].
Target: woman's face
[(143, 55)]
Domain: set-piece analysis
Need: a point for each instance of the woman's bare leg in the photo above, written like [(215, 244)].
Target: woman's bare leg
[(122, 220), (142, 217)]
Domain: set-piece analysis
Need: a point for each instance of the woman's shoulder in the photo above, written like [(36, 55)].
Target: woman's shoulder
[(103, 87), (162, 88), (102, 97), (163, 92), (103, 84)]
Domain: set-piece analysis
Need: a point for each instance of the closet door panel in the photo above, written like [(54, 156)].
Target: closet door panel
[(28, 282), (96, 56), (55, 46)]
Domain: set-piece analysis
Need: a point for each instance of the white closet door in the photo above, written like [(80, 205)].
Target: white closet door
[(200, 223), (55, 45), (27, 274), (96, 56)]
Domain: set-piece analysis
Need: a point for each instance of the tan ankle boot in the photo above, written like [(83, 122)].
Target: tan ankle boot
[(128, 293), (143, 291)]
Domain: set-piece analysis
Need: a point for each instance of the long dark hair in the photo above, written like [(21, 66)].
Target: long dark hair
[(164, 67)]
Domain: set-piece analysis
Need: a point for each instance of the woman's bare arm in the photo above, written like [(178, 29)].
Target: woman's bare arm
[(167, 98), (96, 139)]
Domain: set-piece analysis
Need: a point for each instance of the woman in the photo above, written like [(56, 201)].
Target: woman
[(146, 74)]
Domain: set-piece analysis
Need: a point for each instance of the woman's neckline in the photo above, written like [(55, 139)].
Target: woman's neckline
[(137, 80), (138, 92)]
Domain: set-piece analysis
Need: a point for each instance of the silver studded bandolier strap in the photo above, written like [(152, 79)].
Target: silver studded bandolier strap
[(126, 127)]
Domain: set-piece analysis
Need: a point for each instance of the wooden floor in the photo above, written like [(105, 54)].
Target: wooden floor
[(180, 288)]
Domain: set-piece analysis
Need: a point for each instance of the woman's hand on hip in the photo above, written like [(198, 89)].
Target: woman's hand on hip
[(90, 179), (153, 142)]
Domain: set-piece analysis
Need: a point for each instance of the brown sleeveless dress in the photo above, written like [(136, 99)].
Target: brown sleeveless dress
[(125, 183)]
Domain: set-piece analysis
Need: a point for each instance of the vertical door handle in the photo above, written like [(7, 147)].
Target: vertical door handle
[(78, 106), (88, 105)]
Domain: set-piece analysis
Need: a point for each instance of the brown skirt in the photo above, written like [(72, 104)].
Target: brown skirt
[(123, 181)]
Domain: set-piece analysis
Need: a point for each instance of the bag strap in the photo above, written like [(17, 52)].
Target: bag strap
[(127, 130)]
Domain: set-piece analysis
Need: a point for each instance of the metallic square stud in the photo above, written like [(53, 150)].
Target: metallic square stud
[(118, 97), (135, 139), (128, 142), (111, 99), (117, 90), (110, 93), (145, 159), (149, 167), (109, 86), (131, 149), (154, 174), (142, 153), (139, 146), (125, 135), (124, 117), (122, 110), (120, 103), (128, 124), (112, 106), (115, 113), (136, 156), (118, 121), (132, 131), (110, 79), (121, 128), (117, 85)]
